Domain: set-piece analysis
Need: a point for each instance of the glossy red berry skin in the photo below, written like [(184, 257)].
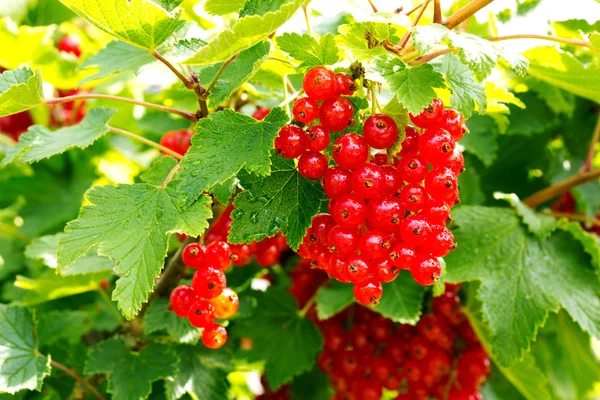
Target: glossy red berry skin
[(441, 184), (414, 230), (436, 211), (182, 299), (454, 123), (336, 181), (201, 314), (430, 116), (380, 131), (368, 181), (16, 124), (226, 304), (385, 213), (336, 268), (305, 110), (241, 254), (426, 270), (179, 141), (410, 144), (345, 85), (375, 245), (456, 162), (70, 44), (291, 141), (261, 113), (318, 138), (385, 270), (267, 255), (343, 241), (312, 165), (320, 83), (349, 210), (335, 114), (413, 197), (218, 255), (193, 255), (358, 268), (350, 150), (436, 146), (214, 336), (391, 179), (368, 292), (412, 168), (441, 241), (320, 227), (209, 282), (402, 256)]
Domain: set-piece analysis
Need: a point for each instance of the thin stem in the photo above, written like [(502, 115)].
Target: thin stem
[(373, 6), (145, 141), (304, 8), (290, 98), (188, 84), (78, 378), (561, 187), (464, 13), (110, 306), (574, 42), (415, 8), (67, 99), (14, 232), (430, 56), (172, 173), (217, 76), (437, 12), (281, 60), (592, 151), (415, 23), (575, 217), (308, 305)]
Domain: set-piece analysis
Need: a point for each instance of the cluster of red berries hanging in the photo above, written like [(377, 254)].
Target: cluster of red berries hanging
[(208, 298), (386, 214), (440, 358)]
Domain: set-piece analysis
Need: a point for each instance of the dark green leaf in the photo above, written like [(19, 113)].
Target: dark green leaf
[(158, 318), (401, 299), (116, 57), (334, 299)]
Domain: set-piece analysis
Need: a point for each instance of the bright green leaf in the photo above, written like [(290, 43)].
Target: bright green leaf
[(159, 170), (305, 48), (333, 299), (284, 200), (21, 365), (540, 225), (261, 7), (222, 7), (215, 153), (169, 5), (401, 299), (223, 192), (352, 41), (20, 90), (158, 317), (184, 49), (595, 40)]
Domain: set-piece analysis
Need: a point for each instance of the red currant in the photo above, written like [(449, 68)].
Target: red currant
[(454, 123), (441, 184), (305, 110), (380, 131), (413, 197), (385, 213), (218, 255), (349, 210), (226, 304), (368, 181), (70, 44), (430, 116), (337, 268), (182, 299), (448, 306), (320, 83), (335, 114), (193, 255), (436, 211), (418, 348), (414, 230), (320, 227), (318, 138), (343, 241), (291, 141), (267, 255), (411, 141), (426, 270), (456, 162), (436, 146), (345, 84), (178, 141), (375, 245), (336, 181), (391, 179), (261, 113), (201, 314), (350, 150), (368, 292), (402, 256), (209, 282), (358, 268), (441, 241), (16, 124), (412, 168), (241, 254), (214, 336), (473, 367), (385, 270), (312, 165)]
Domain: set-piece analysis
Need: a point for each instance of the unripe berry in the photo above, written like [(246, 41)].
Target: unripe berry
[(226, 304), (214, 336), (380, 131)]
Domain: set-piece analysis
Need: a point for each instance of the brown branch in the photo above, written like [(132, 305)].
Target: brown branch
[(464, 13), (561, 187), (188, 84), (574, 42), (78, 378), (217, 76), (437, 12), (373, 6), (412, 10), (575, 217), (406, 37)]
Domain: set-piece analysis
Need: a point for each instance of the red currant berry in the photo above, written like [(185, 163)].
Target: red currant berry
[(465, 393), (218, 255), (456, 162), (385, 213), (267, 255), (426, 270), (410, 144), (391, 179), (320, 227), (414, 230), (16, 124), (360, 338), (334, 338), (454, 123), (368, 292), (473, 367), (335, 114), (436, 211), (368, 181), (437, 362), (69, 44), (178, 141), (441, 184), (339, 382), (430, 116), (193, 255), (436, 146), (201, 314), (261, 113), (402, 256), (343, 241), (418, 348), (312, 165), (209, 282), (325, 362), (412, 168), (380, 131), (344, 84), (375, 245), (350, 150), (214, 336), (412, 372), (466, 333), (336, 181), (291, 141), (385, 270), (320, 83), (241, 254), (367, 389), (226, 304), (336, 268), (413, 197), (380, 159), (448, 306), (349, 210), (305, 110), (358, 268), (182, 299), (441, 241), (318, 138), (432, 326)]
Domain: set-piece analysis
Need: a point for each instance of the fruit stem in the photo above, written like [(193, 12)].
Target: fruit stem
[(67, 99), (415, 23), (188, 83), (110, 305), (281, 60), (575, 217), (172, 173), (145, 141), (415, 8), (304, 8), (78, 378), (592, 151), (561, 187), (302, 313), (437, 12), (464, 13), (373, 6), (213, 83)]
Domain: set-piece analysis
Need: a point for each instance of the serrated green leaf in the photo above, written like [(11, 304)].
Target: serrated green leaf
[(142, 23), (283, 201), (540, 225), (588, 240), (278, 329), (40, 142), (535, 119), (334, 299), (261, 7), (236, 74), (522, 278), (305, 48), (223, 192), (169, 5), (159, 170), (127, 211), (158, 317), (481, 139), (466, 91), (130, 375), (21, 365), (202, 373), (222, 7), (215, 153), (184, 49), (413, 86), (245, 33), (62, 325), (401, 300), (20, 90), (425, 37), (351, 40), (562, 69), (117, 57)]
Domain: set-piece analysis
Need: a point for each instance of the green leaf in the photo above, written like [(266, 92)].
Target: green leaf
[(313, 385), (130, 375), (245, 33), (40, 142), (215, 153), (305, 48), (540, 225), (595, 40), (413, 86), (236, 74), (481, 139), (117, 57), (158, 318), (261, 7), (20, 90), (334, 299), (136, 220), (202, 373), (563, 70), (588, 240), (401, 299), (159, 170), (425, 37), (184, 49), (277, 329), (142, 23), (283, 201), (522, 278), (352, 41), (62, 325), (222, 7), (466, 91), (170, 5), (223, 192), (21, 365)]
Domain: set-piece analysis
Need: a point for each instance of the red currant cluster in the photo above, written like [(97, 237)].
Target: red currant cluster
[(179, 141), (16, 124), (209, 297), (440, 358)]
